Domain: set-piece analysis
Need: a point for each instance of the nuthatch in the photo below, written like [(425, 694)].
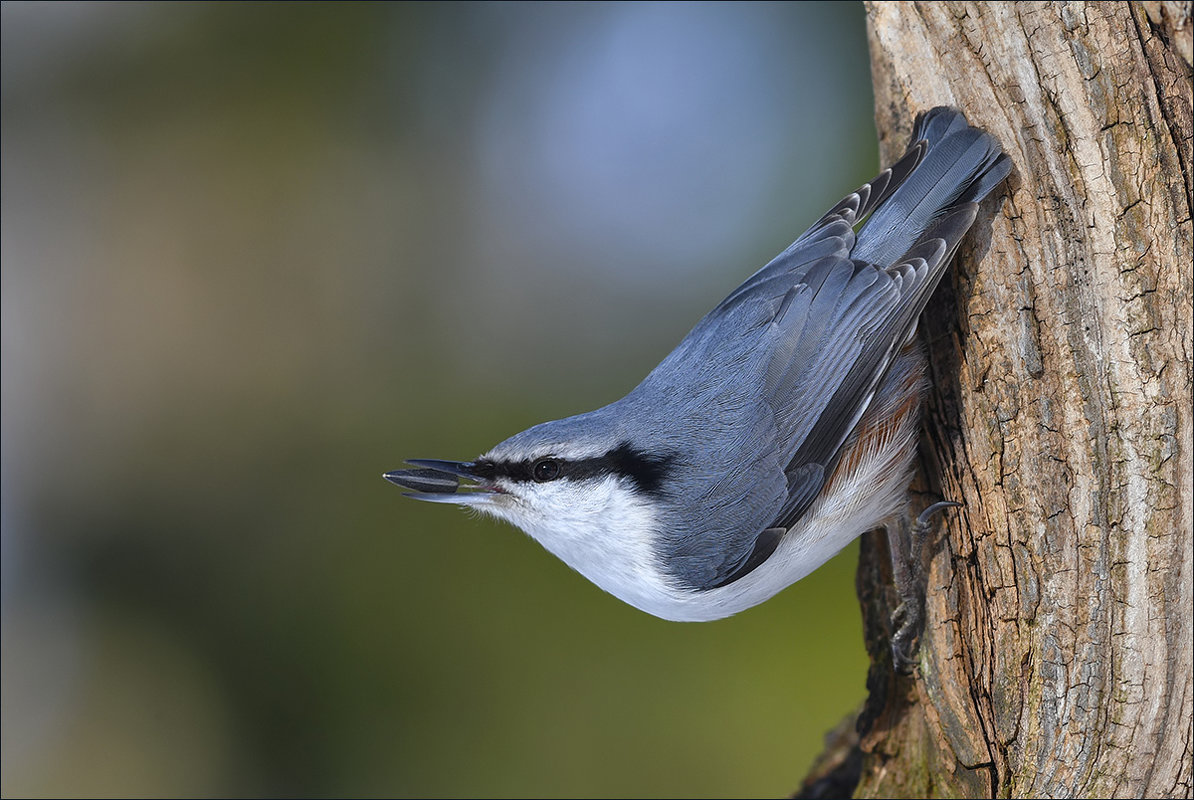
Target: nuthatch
[(782, 427)]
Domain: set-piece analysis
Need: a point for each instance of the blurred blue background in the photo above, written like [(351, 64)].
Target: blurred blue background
[(256, 255)]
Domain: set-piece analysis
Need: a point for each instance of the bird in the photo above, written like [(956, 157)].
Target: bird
[(782, 427)]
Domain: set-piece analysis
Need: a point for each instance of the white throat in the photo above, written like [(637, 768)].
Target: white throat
[(600, 528)]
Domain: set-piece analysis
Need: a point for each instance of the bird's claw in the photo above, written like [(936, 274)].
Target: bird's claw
[(907, 620), (925, 520)]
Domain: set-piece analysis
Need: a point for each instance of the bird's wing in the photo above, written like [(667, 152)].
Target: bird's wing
[(822, 379), (828, 341), (818, 328), (832, 235)]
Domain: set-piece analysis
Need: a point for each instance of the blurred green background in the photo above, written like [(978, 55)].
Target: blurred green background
[(256, 255)]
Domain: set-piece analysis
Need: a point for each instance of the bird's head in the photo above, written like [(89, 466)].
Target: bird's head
[(562, 470), (580, 487)]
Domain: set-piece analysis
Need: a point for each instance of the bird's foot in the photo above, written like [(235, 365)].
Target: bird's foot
[(907, 544)]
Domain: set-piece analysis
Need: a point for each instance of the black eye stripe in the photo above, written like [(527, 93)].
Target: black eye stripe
[(646, 472)]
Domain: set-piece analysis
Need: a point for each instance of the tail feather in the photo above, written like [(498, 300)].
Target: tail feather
[(962, 165)]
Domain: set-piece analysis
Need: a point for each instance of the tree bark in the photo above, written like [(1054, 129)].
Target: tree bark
[(1057, 658)]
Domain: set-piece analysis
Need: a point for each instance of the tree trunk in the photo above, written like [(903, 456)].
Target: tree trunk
[(1057, 654)]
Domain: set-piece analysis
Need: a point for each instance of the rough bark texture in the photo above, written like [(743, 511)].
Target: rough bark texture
[(1057, 654)]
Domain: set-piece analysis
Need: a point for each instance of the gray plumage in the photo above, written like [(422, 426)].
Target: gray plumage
[(745, 421), (806, 340)]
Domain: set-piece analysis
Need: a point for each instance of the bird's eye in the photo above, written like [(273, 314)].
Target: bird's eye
[(546, 469)]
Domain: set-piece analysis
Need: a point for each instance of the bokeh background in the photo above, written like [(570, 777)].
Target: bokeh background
[(256, 255)]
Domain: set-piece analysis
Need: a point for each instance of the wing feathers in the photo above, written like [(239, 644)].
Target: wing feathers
[(840, 361), (819, 325)]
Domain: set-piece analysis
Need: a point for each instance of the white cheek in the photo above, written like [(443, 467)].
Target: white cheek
[(602, 530)]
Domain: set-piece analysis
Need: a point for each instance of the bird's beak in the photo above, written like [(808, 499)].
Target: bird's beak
[(440, 482)]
